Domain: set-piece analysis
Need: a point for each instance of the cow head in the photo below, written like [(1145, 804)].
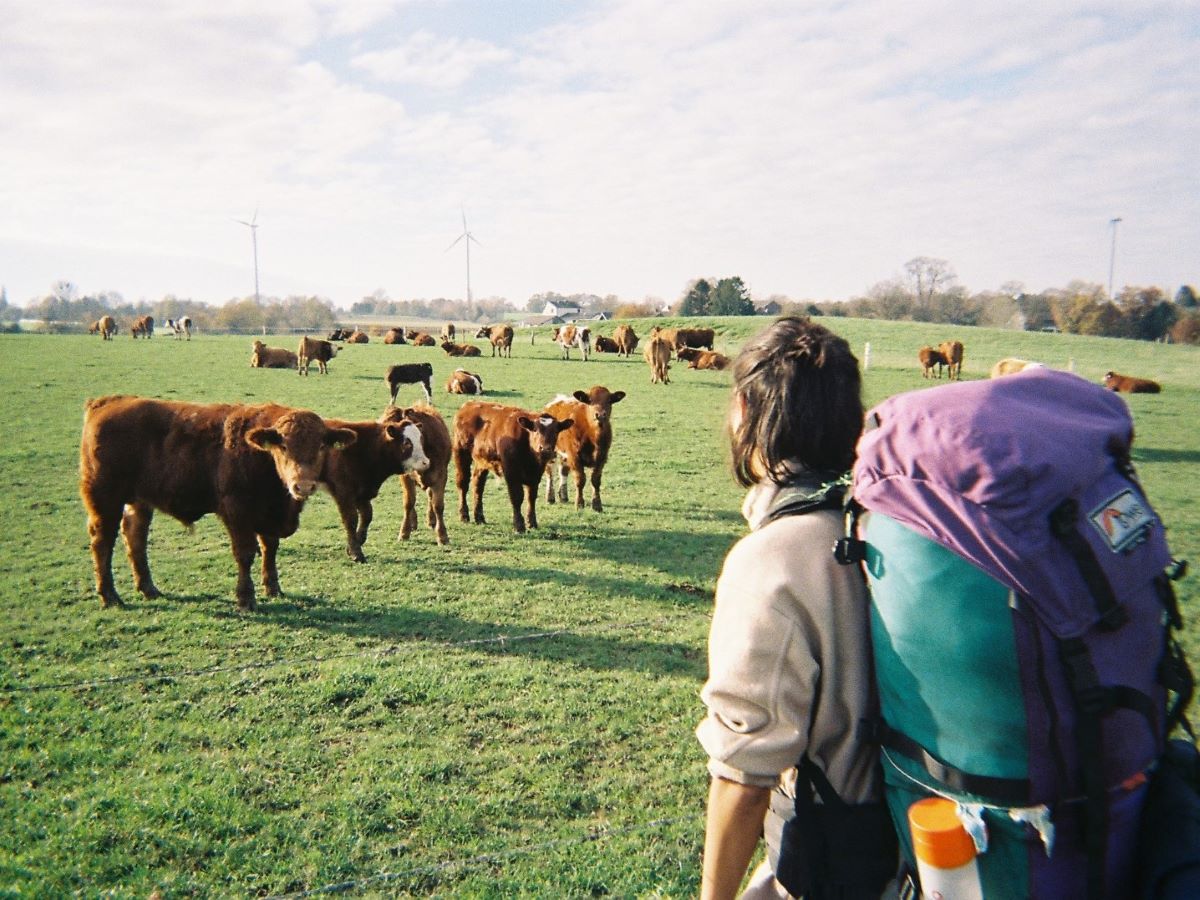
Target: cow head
[(599, 401), (543, 435), (484, 332), (403, 441), (298, 442)]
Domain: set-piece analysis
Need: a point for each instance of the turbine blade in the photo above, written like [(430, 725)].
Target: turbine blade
[(473, 238), (456, 240)]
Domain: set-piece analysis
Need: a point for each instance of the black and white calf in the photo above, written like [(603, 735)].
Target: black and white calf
[(181, 327), (410, 373)]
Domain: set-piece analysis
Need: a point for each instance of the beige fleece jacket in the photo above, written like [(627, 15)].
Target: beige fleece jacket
[(789, 656)]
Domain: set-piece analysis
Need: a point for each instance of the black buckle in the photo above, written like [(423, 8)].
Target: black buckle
[(848, 551)]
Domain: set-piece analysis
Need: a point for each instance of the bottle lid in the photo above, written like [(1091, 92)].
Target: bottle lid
[(938, 836)]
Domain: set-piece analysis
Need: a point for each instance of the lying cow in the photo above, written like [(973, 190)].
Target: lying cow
[(499, 336), (1011, 365), (409, 373), (703, 359), (513, 443), (354, 476), (463, 382), (585, 444), (604, 344), (1127, 384), (453, 349), (929, 358), (358, 337), (264, 357), (435, 438), (419, 338), (339, 334), (253, 466), (394, 336), (314, 350), (568, 336)]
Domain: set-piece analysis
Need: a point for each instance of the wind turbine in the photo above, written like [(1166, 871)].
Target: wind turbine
[(466, 237), (253, 226)]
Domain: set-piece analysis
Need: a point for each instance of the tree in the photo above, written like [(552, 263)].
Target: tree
[(1186, 297), (730, 298), (1147, 313), (696, 299), (927, 276)]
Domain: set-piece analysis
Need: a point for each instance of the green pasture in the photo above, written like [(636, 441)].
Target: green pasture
[(504, 716)]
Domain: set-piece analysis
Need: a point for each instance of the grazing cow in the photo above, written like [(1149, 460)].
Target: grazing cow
[(435, 439), (464, 382), (264, 357), (143, 326), (952, 351), (514, 444), (499, 336), (410, 373), (699, 338), (354, 476), (568, 336), (358, 337), (181, 328), (394, 336), (105, 326), (1012, 365), (453, 349), (930, 358), (314, 350), (626, 338), (449, 331), (1129, 385), (585, 444), (339, 334), (703, 359), (657, 353), (604, 344), (253, 466)]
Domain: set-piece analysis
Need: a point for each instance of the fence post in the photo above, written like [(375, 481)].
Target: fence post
[(866, 356)]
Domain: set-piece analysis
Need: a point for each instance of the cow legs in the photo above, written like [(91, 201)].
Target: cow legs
[(596, 504), (410, 507), (270, 574), (349, 510), (516, 492), (550, 497), (462, 478), (366, 513), (242, 542), (478, 481), (580, 475), (102, 532), (437, 512), (530, 502), (135, 529)]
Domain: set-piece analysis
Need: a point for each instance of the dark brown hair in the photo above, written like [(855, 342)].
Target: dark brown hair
[(802, 393)]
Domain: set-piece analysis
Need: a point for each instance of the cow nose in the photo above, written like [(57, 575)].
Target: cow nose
[(304, 489)]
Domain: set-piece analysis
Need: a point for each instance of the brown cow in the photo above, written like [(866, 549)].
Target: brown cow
[(500, 336), (463, 382), (435, 438), (409, 373), (703, 359), (105, 326), (1129, 385), (358, 337), (394, 336), (626, 338), (585, 444), (448, 331), (568, 336), (453, 349), (514, 444), (658, 356), (354, 476), (264, 357), (930, 358), (143, 326), (1011, 365), (253, 466), (952, 351), (314, 350), (604, 344), (699, 338), (420, 338)]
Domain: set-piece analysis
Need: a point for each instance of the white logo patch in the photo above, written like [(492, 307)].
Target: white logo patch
[(1122, 521)]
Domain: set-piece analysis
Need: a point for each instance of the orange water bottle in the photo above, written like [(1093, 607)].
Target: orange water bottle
[(945, 852)]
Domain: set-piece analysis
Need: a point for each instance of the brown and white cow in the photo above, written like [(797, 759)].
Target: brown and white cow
[(409, 373), (453, 349), (499, 336), (657, 353), (703, 359), (463, 382), (253, 466), (264, 357), (626, 338), (314, 350), (435, 439), (143, 326), (1129, 385), (568, 336), (952, 351), (512, 443), (181, 327), (394, 336), (449, 331), (354, 476), (928, 357), (105, 326), (585, 444), (604, 344)]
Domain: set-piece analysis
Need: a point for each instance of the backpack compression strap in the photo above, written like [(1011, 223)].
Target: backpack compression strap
[(832, 498)]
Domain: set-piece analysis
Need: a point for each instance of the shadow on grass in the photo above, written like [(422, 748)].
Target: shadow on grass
[(1154, 455)]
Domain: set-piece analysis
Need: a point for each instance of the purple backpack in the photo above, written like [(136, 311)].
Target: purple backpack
[(1020, 623)]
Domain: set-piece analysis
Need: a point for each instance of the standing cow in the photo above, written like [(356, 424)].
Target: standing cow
[(626, 338), (928, 357), (181, 328), (499, 336), (143, 327), (568, 336), (657, 353), (105, 326), (435, 438), (314, 350), (253, 466), (585, 444), (952, 352)]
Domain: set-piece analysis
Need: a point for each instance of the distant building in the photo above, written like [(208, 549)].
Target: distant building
[(565, 311), (602, 316), (767, 308)]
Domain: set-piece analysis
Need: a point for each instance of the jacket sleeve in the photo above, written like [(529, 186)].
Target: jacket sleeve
[(764, 662)]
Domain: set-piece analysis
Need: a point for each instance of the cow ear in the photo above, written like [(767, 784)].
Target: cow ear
[(340, 438), (617, 397), (395, 430), (527, 423), (264, 438), (564, 424), (582, 397)]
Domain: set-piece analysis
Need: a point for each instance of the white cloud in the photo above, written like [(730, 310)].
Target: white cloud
[(426, 59)]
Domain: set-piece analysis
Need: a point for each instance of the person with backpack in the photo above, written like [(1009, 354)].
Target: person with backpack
[(789, 656)]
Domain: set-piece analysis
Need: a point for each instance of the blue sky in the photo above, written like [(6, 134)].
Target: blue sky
[(617, 147)]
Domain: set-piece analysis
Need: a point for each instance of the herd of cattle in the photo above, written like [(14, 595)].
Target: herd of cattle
[(143, 326)]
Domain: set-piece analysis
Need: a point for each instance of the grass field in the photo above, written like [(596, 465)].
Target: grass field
[(504, 716)]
